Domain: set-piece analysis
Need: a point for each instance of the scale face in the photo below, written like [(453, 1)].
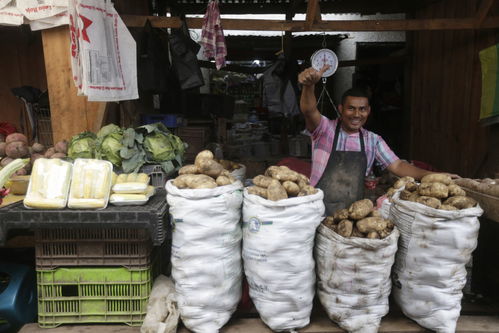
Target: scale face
[(323, 57)]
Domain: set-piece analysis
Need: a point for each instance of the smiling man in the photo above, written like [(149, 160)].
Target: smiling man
[(343, 152)]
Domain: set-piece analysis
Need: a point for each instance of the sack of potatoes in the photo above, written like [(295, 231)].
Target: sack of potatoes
[(280, 182), (436, 190), (359, 220)]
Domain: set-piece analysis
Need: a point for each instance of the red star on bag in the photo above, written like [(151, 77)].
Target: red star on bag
[(86, 23)]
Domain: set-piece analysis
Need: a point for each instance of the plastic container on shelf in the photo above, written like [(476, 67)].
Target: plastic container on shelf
[(156, 174)]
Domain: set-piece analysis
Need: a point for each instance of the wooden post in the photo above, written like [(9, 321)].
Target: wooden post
[(70, 114)]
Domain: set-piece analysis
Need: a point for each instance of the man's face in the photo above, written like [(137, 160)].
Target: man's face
[(354, 112)]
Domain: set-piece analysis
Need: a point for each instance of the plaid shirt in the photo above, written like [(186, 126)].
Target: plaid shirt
[(212, 35), (322, 145)]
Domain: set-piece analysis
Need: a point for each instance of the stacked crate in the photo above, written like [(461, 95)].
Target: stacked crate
[(91, 275)]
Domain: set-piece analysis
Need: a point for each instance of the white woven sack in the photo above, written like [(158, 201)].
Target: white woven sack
[(353, 278), (429, 272), (278, 240), (206, 254)]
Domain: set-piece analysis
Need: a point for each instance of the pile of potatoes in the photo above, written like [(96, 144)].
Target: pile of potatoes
[(436, 191), (206, 172), (359, 220), (487, 185), (229, 165), (280, 182)]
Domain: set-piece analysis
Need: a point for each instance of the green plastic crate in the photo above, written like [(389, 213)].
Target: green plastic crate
[(93, 295)]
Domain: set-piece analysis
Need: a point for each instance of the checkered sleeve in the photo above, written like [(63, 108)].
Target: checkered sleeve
[(383, 154), (321, 129)]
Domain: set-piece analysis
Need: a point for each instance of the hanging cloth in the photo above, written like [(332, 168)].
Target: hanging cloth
[(212, 35)]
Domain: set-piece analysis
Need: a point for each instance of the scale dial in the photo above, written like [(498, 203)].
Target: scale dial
[(323, 57)]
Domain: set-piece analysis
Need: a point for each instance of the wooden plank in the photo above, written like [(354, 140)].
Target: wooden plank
[(70, 114), (482, 12), (354, 25), (313, 14), (398, 324)]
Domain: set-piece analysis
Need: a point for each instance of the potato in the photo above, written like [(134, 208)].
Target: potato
[(276, 191), (402, 181), (49, 152), (256, 190), (345, 228), (61, 147), (223, 180), (435, 190), (373, 235), (429, 201), (16, 137), (262, 181), (328, 221), (189, 169), (5, 161), (405, 195), (303, 179), (210, 168), (270, 170), (180, 181), (307, 190), (384, 233), (38, 148), (203, 155), (375, 213), (372, 224), (341, 214), (200, 181), (58, 155), (357, 233), (226, 164), (413, 197), (455, 190), (390, 192), (460, 202), (16, 149), (447, 207), (411, 186), (360, 209), (437, 178), (284, 173), (291, 188)]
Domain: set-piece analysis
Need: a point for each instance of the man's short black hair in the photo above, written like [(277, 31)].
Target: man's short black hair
[(355, 92)]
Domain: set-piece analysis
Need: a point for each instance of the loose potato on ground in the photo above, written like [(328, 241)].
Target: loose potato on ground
[(435, 190), (372, 224), (189, 169), (460, 202), (210, 168), (292, 188), (262, 181), (437, 178), (448, 207), (256, 190), (456, 190), (402, 181), (345, 228), (341, 214), (307, 190), (360, 209), (429, 201), (276, 191)]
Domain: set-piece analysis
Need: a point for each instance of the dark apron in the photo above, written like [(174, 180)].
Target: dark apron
[(343, 179)]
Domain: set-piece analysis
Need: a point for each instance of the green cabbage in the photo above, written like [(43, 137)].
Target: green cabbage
[(109, 144), (82, 145)]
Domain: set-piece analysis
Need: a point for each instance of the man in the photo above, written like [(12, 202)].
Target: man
[(343, 152)]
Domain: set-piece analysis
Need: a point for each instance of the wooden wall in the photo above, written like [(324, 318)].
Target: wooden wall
[(445, 92), (21, 63)]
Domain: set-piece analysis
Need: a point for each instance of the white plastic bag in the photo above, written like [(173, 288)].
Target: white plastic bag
[(11, 16), (206, 253), (162, 312), (4, 3), (278, 241), (429, 272), (40, 9), (353, 278), (50, 22)]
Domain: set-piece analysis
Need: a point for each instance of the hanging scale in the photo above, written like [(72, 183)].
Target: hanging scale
[(319, 59)]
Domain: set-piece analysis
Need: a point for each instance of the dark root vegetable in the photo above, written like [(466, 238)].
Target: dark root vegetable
[(16, 137), (38, 147), (58, 155), (16, 149), (50, 152), (5, 161), (61, 147)]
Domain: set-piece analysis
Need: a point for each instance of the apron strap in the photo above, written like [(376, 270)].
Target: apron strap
[(337, 134)]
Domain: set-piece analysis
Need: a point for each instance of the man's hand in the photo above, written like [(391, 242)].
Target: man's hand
[(310, 76)]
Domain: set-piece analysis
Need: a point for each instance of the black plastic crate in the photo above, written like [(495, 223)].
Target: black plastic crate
[(152, 216)]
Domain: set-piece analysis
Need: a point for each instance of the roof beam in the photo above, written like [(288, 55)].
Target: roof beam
[(313, 13), (482, 12), (296, 26)]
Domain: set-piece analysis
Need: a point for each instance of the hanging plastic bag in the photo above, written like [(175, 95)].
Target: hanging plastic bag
[(11, 16), (4, 3), (50, 22), (40, 9), (353, 278), (162, 311), (429, 272), (278, 241), (206, 254)]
